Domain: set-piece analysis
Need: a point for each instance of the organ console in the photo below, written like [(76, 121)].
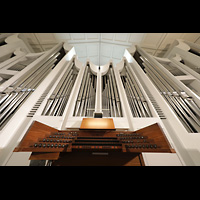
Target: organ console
[(47, 143), (138, 112)]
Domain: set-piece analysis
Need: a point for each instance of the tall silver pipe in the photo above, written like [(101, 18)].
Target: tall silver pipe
[(170, 99), (28, 75), (137, 102), (52, 98), (66, 96), (31, 85), (113, 97), (188, 113), (143, 103), (78, 102), (68, 93), (14, 96), (84, 95), (118, 106), (11, 104), (59, 95), (87, 98), (130, 98), (110, 100), (134, 98), (57, 102), (177, 104), (85, 102)]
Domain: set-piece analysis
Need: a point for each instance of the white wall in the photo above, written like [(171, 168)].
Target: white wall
[(100, 48)]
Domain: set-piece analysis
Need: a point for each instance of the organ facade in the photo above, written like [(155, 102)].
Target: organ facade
[(153, 104)]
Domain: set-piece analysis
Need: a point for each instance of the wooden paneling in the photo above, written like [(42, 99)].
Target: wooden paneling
[(36, 130), (91, 159), (44, 156), (93, 147)]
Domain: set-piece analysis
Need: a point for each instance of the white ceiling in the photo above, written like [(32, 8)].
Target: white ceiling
[(100, 48)]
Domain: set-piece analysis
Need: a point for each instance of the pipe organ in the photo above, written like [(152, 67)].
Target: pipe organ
[(148, 108)]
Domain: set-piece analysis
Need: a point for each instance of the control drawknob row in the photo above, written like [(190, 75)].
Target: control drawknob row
[(50, 145), (142, 146)]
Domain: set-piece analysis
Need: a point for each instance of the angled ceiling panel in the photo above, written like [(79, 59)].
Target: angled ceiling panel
[(81, 50), (93, 49), (93, 36), (118, 51), (78, 36), (107, 36), (122, 37)]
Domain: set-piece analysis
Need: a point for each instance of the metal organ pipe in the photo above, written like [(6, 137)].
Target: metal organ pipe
[(58, 100), (85, 103), (183, 105), (29, 79), (13, 97), (111, 101), (137, 102)]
